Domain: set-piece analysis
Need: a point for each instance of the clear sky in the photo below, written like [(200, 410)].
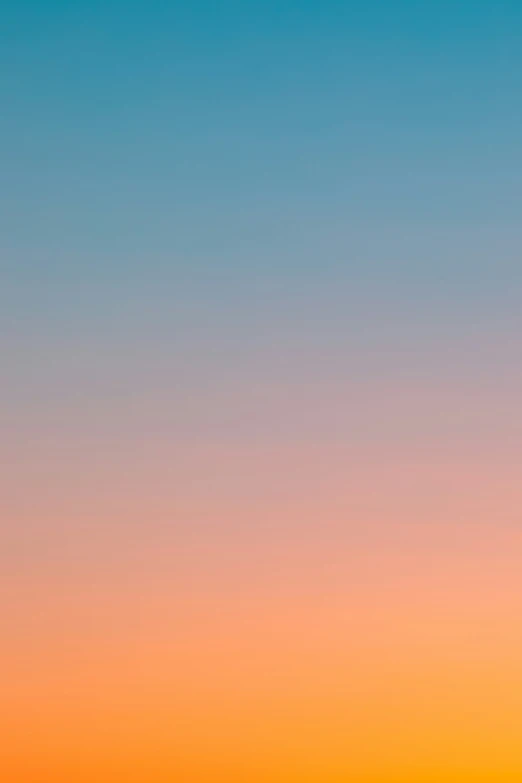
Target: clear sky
[(260, 324)]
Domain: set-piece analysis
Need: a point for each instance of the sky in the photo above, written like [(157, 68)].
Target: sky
[(260, 325)]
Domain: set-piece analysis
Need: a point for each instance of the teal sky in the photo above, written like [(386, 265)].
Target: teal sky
[(328, 169), (271, 137)]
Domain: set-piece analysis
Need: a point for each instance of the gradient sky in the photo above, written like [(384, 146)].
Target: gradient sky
[(260, 326)]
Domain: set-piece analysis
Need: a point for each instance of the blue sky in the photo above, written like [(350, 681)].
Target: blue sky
[(227, 148)]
